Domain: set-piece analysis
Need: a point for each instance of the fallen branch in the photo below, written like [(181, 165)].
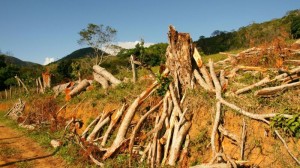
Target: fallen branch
[(120, 137), (260, 83), (272, 90)]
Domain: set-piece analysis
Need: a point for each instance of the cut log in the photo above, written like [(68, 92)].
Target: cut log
[(273, 90), (79, 88), (100, 79), (217, 165), (106, 74)]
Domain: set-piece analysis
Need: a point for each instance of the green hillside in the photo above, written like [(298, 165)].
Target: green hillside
[(285, 28)]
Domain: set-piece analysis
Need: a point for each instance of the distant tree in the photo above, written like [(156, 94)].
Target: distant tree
[(98, 37), (295, 27), (64, 69), (2, 61)]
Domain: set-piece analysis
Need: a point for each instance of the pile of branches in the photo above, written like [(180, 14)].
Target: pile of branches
[(169, 120), (17, 110)]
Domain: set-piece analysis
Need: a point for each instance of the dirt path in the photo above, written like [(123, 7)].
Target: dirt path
[(16, 150)]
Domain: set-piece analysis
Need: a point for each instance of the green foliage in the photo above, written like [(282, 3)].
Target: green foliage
[(64, 69), (164, 82), (97, 37), (291, 126), (251, 35), (153, 55)]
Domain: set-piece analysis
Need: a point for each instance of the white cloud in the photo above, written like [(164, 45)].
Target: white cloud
[(131, 44), (48, 60)]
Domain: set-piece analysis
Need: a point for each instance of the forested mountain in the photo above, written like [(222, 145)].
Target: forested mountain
[(287, 27)]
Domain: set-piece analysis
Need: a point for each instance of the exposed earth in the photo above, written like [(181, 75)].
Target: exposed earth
[(17, 150)]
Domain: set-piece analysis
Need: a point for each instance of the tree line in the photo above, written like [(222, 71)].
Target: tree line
[(285, 28)]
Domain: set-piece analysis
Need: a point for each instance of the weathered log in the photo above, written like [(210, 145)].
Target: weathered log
[(175, 147), (260, 83), (179, 54), (215, 128), (273, 90), (79, 88), (120, 137), (106, 74), (112, 124), (100, 79)]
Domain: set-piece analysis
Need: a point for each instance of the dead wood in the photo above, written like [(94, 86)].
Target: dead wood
[(134, 74), (94, 122), (108, 76), (79, 88), (113, 123), (97, 128), (273, 90), (201, 81), (260, 83), (215, 128), (203, 70), (139, 124), (144, 154), (230, 135), (287, 147), (175, 147), (20, 81), (217, 165), (60, 88), (244, 134), (100, 79), (120, 137), (179, 54)]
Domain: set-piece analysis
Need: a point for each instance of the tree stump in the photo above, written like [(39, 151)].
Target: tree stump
[(179, 59)]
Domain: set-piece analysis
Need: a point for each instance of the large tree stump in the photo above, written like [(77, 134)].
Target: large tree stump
[(179, 58)]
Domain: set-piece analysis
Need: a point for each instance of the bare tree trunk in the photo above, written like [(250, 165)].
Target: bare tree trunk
[(134, 74), (179, 54)]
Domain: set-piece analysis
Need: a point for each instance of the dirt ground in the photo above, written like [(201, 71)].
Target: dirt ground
[(17, 150)]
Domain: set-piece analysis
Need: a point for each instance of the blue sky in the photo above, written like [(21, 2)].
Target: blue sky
[(35, 29)]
